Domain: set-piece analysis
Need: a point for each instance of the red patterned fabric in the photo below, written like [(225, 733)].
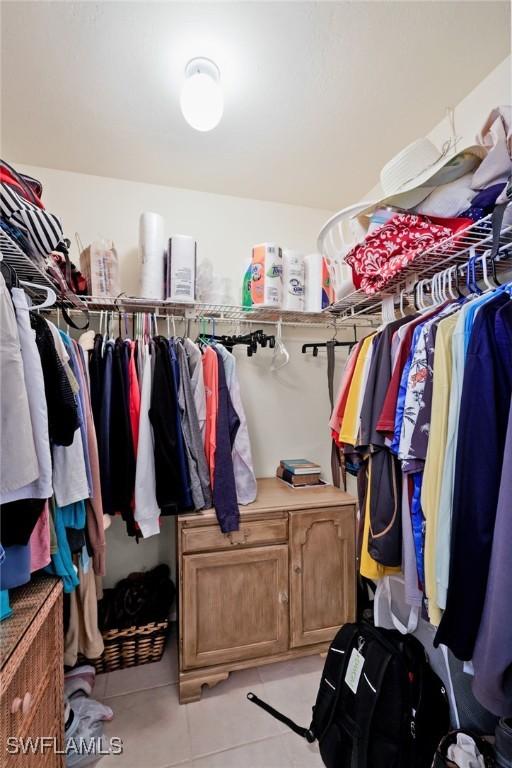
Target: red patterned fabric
[(390, 248)]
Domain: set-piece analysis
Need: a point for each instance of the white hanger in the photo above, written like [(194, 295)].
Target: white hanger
[(488, 284), (279, 349), (51, 296)]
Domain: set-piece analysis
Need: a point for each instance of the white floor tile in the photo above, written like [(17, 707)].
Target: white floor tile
[(302, 754), (270, 753), (224, 718), (140, 678), (100, 687), (292, 687), (153, 727)]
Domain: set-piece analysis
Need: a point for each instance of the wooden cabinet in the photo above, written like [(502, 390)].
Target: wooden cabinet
[(235, 605), (322, 551), (278, 588), (32, 674)]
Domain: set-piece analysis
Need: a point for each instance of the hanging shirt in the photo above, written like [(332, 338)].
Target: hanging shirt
[(104, 427), (484, 410), (134, 396), (413, 594), (245, 479), (492, 659), (40, 542), (434, 462), (224, 487), (195, 366), (81, 395), (444, 520), (338, 411), (71, 481), (94, 505), (186, 493), (147, 511), (163, 416), (122, 457), (198, 469), (33, 374), (368, 566), (211, 387), (350, 426), (386, 422), (19, 466), (402, 392)]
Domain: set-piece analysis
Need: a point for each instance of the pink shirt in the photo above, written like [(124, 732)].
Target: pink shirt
[(211, 386)]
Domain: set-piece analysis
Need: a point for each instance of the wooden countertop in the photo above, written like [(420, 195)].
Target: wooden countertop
[(275, 496)]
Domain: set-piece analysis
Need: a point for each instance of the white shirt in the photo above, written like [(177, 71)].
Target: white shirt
[(245, 479), (146, 512), (195, 365), (42, 487)]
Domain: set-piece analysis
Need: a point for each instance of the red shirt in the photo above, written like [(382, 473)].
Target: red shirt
[(386, 422)]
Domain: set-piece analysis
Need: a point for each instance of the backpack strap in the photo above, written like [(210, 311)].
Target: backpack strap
[(306, 733), (375, 666)]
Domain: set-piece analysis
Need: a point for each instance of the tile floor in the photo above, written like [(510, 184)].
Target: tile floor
[(223, 730)]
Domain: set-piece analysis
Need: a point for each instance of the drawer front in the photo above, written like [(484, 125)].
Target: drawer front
[(31, 677), (43, 720), (210, 538), (38, 684)]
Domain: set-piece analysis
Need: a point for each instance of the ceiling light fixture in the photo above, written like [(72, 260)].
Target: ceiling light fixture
[(202, 100)]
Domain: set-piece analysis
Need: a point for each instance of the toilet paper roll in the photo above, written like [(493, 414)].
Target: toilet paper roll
[(313, 264), (152, 244), (293, 280)]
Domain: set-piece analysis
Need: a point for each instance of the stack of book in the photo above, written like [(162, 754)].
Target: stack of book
[(299, 472)]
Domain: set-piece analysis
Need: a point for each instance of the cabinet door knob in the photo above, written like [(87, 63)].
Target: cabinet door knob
[(15, 706), (27, 704), (283, 597), (297, 569)]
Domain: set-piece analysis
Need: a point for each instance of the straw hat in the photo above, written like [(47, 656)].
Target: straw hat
[(409, 177)]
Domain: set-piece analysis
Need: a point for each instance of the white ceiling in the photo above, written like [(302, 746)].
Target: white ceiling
[(317, 95)]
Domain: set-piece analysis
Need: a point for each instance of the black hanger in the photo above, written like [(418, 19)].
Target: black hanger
[(10, 275), (316, 345)]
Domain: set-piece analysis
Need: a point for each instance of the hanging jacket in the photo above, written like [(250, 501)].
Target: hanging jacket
[(162, 415)]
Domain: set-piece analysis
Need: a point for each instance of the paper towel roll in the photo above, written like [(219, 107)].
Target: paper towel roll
[(152, 243), (313, 282), (293, 281), (181, 268)]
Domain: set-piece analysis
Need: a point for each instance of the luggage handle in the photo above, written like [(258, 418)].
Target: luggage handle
[(306, 733)]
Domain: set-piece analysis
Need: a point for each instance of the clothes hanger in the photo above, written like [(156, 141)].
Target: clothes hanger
[(279, 349), (315, 346), (49, 301)]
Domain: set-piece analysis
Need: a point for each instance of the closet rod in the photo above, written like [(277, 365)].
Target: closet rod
[(328, 323)]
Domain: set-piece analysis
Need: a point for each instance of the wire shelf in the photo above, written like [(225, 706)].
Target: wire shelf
[(197, 310), (476, 239), (25, 268)]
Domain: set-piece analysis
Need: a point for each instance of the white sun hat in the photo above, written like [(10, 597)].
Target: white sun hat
[(409, 177)]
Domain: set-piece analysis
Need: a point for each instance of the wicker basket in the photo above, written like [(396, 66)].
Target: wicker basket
[(132, 646)]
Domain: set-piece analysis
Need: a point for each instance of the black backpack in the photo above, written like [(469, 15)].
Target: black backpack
[(379, 704)]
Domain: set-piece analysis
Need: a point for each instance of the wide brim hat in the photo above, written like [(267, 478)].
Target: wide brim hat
[(409, 177)]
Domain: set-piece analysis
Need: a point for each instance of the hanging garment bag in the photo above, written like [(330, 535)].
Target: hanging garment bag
[(379, 704)]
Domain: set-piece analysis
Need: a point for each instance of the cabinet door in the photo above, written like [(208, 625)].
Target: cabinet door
[(322, 573), (235, 605)]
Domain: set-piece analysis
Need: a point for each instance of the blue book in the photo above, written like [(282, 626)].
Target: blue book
[(300, 466)]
